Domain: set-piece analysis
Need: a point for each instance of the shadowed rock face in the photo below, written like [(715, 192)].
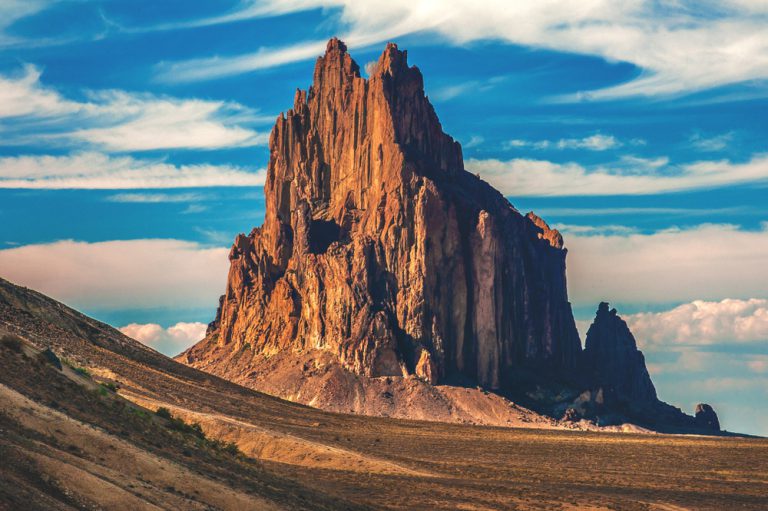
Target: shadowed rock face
[(706, 418), (612, 361), (380, 249)]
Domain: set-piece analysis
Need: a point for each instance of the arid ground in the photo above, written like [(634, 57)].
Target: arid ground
[(68, 441)]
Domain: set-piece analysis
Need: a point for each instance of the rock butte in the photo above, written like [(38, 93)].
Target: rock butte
[(381, 257)]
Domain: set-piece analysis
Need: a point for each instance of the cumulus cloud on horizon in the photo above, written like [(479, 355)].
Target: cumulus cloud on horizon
[(704, 322), (170, 341), (707, 262), (115, 275), (623, 266)]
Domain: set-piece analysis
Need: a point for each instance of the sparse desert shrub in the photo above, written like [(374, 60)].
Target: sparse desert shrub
[(231, 448), (82, 371), (142, 414), (163, 412), (227, 447), (178, 424), (11, 342), (195, 428)]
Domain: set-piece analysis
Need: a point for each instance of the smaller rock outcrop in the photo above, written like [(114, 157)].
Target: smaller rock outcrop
[(706, 418), (552, 236), (611, 360), (426, 368), (618, 388)]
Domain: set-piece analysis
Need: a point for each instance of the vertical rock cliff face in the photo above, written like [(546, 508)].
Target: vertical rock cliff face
[(379, 249)]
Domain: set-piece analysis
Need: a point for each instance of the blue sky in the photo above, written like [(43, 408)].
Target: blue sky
[(133, 147)]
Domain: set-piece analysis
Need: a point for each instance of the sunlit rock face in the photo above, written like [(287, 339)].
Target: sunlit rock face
[(380, 249)]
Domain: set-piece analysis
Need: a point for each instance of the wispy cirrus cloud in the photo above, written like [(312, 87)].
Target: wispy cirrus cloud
[(217, 67), (474, 141), (12, 11), (596, 142), (119, 121), (156, 198), (97, 171), (596, 230), (454, 90), (526, 177), (712, 143), (681, 47), (632, 211)]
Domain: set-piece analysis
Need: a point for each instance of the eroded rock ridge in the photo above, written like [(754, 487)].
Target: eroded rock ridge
[(383, 255), (378, 246)]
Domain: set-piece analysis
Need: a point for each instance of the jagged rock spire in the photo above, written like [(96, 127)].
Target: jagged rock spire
[(380, 249), (611, 359)]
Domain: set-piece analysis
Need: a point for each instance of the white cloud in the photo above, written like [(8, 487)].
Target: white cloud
[(681, 47), (714, 143), (650, 210), (474, 141), (524, 177), (171, 340), (592, 230), (596, 142), (453, 91), (120, 121), (734, 384), (702, 263), (156, 197), (146, 122), (194, 208), (138, 274), (12, 11), (637, 165), (218, 67), (704, 322), (99, 171), (244, 10), (23, 94)]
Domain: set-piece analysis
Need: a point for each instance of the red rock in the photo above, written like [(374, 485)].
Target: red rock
[(426, 368), (380, 249)]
